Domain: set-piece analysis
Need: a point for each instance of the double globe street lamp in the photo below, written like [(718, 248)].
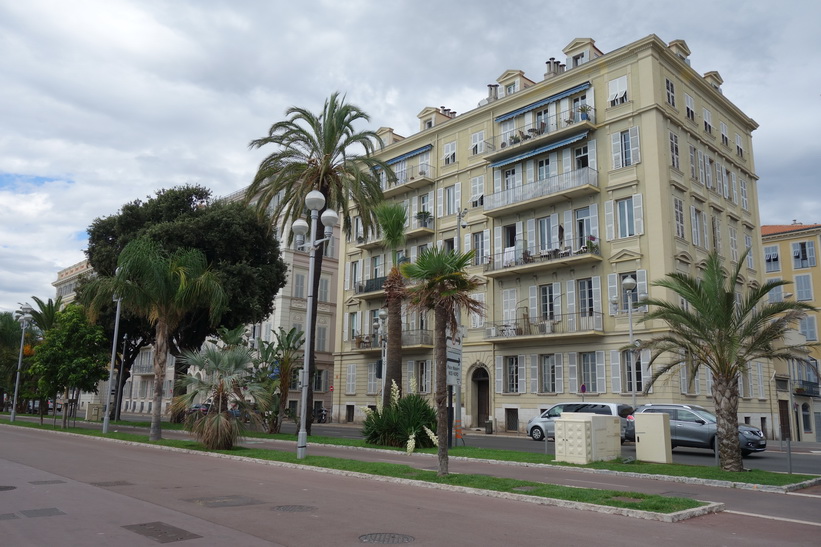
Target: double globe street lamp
[(24, 317), (314, 201)]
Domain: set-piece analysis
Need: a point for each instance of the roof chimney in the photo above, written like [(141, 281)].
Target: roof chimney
[(492, 92), (551, 69)]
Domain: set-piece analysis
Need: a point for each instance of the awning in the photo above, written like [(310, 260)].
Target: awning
[(537, 104), (409, 154), (541, 150)]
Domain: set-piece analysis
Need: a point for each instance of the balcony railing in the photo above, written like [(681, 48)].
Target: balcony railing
[(368, 343), (568, 323), (805, 388), (418, 337), (412, 176), (554, 185), (526, 255), (371, 285), (529, 133)]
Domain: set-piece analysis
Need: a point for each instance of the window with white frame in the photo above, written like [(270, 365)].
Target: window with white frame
[(376, 266), (321, 381), (350, 380), (450, 200), (323, 294), (678, 209), (748, 245), (478, 246), (550, 374), (589, 371), (424, 164), (626, 222), (374, 383), (725, 138), (508, 129), (355, 275), (353, 325), (511, 374), (807, 327), (624, 295), (321, 338), (400, 169), (739, 148), (625, 148), (299, 285), (543, 168), (477, 319), (449, 155), (689, 382), (509, 178), (583, 226), (716, 225), (708, 121), (698, 225), (674, 159), (671, 92), (582, 159), (776, 294), (585, 296), (745, 203), (708, 171), (617, 91), (733, 244), (803, 287), (477, 143), (803, 254), (423, 376), (690, 105), (545, 228), (771, 260), (547, 302), (477, 191), (631, 371), (693, 163)]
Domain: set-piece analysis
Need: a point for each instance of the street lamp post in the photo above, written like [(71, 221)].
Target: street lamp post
[(314, 201), (629, 285), (457, 415), (380, 329), (25, 319), (107, 406)]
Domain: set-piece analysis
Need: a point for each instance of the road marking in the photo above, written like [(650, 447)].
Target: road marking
[(770, 517), (805, 495)]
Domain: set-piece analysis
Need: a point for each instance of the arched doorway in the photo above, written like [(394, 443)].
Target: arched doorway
[(481, 389)]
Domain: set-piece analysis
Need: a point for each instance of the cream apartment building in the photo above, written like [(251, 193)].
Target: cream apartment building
[(628, 164), (790, 253)]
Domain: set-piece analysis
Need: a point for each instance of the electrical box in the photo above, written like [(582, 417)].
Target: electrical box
[(583, 438), (94, 412), (653, 437)]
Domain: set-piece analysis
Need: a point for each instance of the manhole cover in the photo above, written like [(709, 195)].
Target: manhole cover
[(49, 512), (295, 508), (386, 538), (109, 484), (161, 532), (7, 488), (225, 501), (38, 483)]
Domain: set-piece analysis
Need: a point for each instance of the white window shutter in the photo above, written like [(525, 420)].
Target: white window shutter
[(466, 247), (411, 220), (497, 246), (597, 309), (646, 369), (572, 377), (529, 171), (559, 373), (486, 239), (534, 373), (601, 376), (609, 221), (557, 299), (498, 374), (568, 229), (638, 214), (635, 148), (641, 286), (694, 225), (497, 181), (534, 309), (440, 204), (571, 305), (615, 371), (522, 387), (413, 254), (567, 160), (705, 232), (554, 231), (613, 291), (594, 220), (411, 371), (591, 154), (457, 195), (531, 235), (345, 328), (615, 144)]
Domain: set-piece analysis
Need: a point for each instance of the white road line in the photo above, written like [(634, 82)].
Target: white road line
[(805, 495), (770, 517)]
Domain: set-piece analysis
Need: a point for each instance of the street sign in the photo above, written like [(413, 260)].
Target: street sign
[(454, 362)]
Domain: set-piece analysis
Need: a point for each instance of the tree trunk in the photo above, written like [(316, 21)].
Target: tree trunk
[(725, 395), (160, 358), (440, 351), (393, 366)]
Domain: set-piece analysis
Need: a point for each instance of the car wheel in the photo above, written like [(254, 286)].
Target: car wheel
[(745, 453), (537, 434)]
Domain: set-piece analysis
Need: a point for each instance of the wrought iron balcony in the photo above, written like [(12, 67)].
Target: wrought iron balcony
[(805, 388), (573, 184), (559, 324)]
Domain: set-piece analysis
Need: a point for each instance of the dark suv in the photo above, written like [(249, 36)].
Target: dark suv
[(542, 426), (695, 426)]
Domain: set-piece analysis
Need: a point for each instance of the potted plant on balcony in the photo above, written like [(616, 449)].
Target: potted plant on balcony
[(585, 110), (423, 217), (592, 245)]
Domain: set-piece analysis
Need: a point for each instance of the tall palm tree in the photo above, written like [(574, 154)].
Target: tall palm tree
[(223, 376), (442, 285), (392, 218), (323, 152), (723, 327), (162, 288), (46, 314)]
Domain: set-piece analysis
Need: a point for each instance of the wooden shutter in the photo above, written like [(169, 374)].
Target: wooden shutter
[(638, 214), (609, 221), (498, 374), (615, 371), (534, 373), (635, 152), (615, 147), (522, 383), (559, 373), (572, 375), (601, 376), (613, 291), (571, 305)]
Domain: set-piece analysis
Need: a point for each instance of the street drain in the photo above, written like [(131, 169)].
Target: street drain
[(6, 488), (386, 538), (109, 484), (295, 508), (225, 501), (161, 532), (38, 483), (49, 512)]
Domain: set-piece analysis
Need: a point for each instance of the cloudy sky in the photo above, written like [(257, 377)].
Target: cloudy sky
[(107, 101)]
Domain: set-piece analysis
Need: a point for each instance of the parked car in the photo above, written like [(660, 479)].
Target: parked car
[(542, 426), (695, 426), (201, 408)]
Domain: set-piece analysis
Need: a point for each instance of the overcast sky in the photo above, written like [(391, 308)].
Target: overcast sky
[(106, 101)]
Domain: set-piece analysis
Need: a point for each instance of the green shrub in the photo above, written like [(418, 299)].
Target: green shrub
[(402, 423)]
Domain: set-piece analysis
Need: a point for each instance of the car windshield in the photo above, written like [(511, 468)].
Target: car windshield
[(706, 416)]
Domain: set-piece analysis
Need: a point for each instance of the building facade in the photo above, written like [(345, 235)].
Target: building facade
[(789, 253), (612, 166)]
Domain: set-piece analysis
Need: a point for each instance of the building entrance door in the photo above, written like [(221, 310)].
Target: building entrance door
[(481, 387)]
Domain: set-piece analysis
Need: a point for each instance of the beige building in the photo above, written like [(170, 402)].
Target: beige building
[(790, 254), (628, 164)]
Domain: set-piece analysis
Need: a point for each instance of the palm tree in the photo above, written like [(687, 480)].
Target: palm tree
[(46, 314), (723, 329), (392, 218), (162, 288), (223, 376), (321, 152), (442, 286), (284, 354)]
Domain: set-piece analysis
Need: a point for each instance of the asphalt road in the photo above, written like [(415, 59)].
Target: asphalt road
[(57, 489)]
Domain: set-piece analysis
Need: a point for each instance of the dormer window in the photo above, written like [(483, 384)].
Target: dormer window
[(428, 123), (510, 89), (578, 60)]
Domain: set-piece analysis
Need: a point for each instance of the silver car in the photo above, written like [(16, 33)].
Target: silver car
[(695, 426), (543, 426)]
